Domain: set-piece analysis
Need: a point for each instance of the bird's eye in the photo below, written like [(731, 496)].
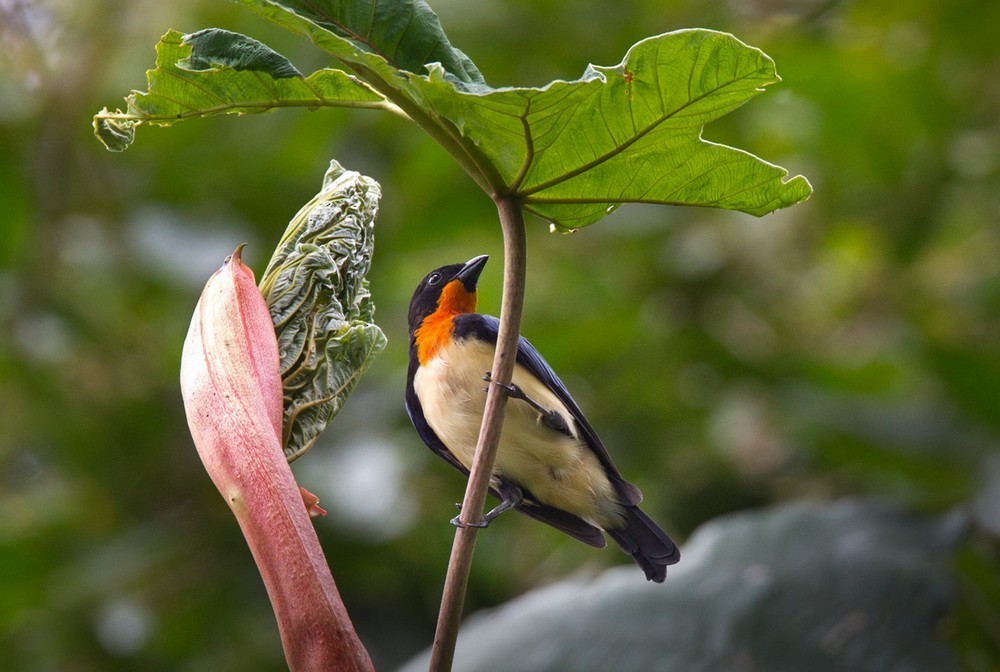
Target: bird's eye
[(433, 279)]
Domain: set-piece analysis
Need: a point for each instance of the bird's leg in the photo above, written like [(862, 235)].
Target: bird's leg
[(551, 419), (512, 497)]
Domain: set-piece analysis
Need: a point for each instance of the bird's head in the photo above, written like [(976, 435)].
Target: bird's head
[(447, 290)]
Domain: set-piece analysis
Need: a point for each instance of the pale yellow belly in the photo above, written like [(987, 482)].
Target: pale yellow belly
[(559, 470)]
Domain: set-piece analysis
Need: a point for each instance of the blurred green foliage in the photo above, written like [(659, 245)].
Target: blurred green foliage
[(848, 345)]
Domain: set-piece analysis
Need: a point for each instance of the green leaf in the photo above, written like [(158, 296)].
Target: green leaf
[(322, 309), (115, 131), (853, 585), (405, 33), (216, 71), (571, 152), (574, 151), (214, 48)]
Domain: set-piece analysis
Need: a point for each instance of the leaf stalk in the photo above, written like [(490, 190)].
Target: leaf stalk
[(460, 563)]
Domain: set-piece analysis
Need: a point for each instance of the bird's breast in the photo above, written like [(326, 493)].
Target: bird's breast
[(450, 386), (559, 470)]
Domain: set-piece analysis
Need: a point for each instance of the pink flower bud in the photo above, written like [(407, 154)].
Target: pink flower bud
[(232, 393)]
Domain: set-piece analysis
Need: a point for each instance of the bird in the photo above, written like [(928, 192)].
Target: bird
[(550, 463)]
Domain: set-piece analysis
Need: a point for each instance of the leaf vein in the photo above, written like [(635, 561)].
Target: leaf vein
[(628, 143)]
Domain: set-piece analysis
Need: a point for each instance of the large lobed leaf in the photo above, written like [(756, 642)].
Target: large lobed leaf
[(216, 71), (574, 151), (322, 309), (571, 152)]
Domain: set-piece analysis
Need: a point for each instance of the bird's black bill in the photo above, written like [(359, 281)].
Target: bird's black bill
[(469, 274)]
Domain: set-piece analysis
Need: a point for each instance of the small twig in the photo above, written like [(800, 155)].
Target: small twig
[(453, 597)]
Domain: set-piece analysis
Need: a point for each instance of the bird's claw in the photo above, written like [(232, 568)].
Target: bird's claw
[(552, 419), (512, 497), (457, 522), (479, 523), (511, 389)]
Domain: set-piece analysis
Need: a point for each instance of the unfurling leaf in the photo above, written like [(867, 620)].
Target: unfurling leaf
[(320, 303)]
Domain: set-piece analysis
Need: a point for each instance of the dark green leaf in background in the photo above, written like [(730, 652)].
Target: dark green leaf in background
[(322, 309), (856, 585)]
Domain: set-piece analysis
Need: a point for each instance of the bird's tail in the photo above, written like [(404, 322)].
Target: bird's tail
[(648, 545)]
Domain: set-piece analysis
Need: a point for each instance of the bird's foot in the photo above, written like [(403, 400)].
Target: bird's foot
[(551, 419), (488, 376), (512, 497), (457, 522), (512, 390), (478, 524)]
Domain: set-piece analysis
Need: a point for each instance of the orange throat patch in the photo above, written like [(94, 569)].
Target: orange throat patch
[(436, 330)]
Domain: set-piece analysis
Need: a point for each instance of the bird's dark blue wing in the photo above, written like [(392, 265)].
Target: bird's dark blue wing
[(565, 522), (486, 327)]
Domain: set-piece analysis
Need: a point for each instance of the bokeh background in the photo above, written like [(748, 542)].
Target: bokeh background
[(846, 346)]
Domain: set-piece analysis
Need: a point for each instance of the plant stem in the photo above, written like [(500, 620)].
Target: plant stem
[(453, 597), (481, 169), (231, 386)]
